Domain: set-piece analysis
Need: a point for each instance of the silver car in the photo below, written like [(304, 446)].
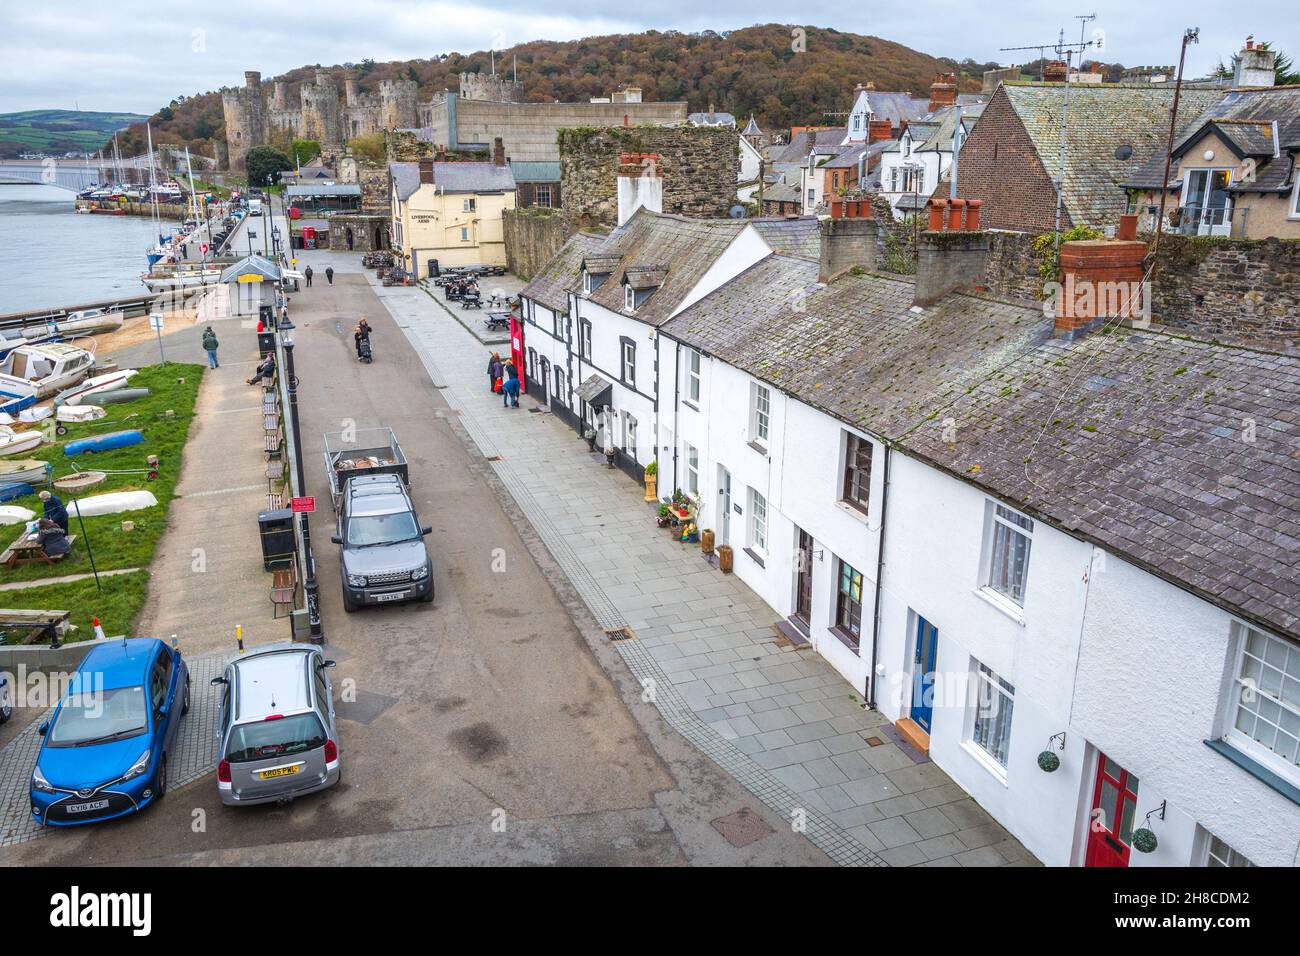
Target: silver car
[(276, 734)]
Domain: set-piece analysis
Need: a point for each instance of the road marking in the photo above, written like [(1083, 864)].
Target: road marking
[(223, 491)]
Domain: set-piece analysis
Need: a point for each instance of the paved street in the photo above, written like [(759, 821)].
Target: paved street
[(494, 704)]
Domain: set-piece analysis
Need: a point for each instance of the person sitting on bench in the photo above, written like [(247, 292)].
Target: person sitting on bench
[(264, 371), (54, 540)]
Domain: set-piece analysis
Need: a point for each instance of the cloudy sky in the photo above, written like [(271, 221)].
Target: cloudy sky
[(136, 56)]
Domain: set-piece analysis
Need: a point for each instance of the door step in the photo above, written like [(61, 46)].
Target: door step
[(791, 632), (909, 730)]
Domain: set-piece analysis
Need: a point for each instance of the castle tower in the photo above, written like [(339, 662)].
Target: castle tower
[(245, 118), (322, 119), (489, 88), (397, 104), (350, 90), (280, 100)]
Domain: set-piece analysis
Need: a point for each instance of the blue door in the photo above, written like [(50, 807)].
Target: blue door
[(927, 650)]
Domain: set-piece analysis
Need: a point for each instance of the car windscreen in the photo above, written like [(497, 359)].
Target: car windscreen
[(367, 530), (280, 737), (99, 716)]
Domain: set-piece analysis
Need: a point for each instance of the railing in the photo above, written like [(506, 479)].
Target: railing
[(1229, 222)]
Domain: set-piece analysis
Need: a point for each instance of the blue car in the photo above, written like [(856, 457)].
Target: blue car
[(104, 753)]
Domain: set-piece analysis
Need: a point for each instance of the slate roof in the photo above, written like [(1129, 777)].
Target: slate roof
[(1128, 439), (798, 149), (320, 189), (751, 128), (685, 248), (782, 192), (795, 236), (249, 265), (536, 172), (454, 178), (1101, 120), (563, 271), (1244, 119), (711, 119)]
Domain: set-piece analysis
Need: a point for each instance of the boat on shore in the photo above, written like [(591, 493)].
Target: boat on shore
[(169, 281), (15, 442), (95, 385), (30, 373)]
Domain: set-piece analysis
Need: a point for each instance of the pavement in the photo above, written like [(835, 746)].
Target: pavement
[(496, 725)]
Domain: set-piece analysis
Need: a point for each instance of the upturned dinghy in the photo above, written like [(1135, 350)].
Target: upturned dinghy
[(83, 446), (24, 471), (96, 383), (12, 514), (15, 443), (112, 503)]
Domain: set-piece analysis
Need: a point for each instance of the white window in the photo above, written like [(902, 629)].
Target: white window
[(1218, 853), (629, 363), (469, 205), (1010, 536), (629, 435), (692, 470), (591, 281), (760, 412), (757, 521), (1264, 716), (693, 376), (629, 297), (991, 710), (560, 395), (542, 196), (464, 234)]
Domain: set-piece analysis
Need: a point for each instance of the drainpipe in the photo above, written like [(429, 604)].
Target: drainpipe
[(880, 573), (677, 385)]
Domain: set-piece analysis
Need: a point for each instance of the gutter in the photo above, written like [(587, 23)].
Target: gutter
[(880, 572)]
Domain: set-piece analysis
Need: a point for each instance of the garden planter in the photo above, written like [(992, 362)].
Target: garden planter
[(706, 541), (725, 559), (650, 496)]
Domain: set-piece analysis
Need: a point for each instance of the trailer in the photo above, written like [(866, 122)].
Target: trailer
[(365, 451)]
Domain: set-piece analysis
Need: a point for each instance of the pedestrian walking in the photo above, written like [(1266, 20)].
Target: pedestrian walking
[(510, 386), (361, 334), (307, 274), (494, 371), (53, 510), (210, 345), (329, 274)]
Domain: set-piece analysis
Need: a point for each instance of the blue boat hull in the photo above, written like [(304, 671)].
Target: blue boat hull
[(107, 442)]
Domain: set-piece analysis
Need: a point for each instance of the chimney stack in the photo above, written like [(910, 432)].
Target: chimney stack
[(848, 239), (1054, 71), (498, 152), (640, 183), (1255, 66), (878, 130), (1102, 280), (426, 171), (952, 252), (943, 92)]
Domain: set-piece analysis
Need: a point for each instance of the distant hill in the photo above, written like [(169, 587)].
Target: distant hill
[(59, 131), (752, 70)]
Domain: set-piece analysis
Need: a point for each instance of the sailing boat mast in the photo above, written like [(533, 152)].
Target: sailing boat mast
[(194, 198)]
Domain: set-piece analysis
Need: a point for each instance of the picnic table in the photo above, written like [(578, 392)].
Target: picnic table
[(31, 626), (29, 550), (497, 321)]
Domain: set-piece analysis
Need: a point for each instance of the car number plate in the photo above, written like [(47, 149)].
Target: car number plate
[(279, 772), (87, 807), (395, 596)]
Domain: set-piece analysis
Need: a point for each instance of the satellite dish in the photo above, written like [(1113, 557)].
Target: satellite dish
[(1123, 152), (737, 211)]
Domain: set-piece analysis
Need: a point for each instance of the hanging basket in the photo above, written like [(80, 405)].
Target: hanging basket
[(1144, 840), (1048, 762)]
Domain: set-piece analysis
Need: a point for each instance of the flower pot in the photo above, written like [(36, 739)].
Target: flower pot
[(650, 495), (706, 541), (725, 559)]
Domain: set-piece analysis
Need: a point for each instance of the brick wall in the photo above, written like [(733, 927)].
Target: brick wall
[(699, 167), (1000, 166)]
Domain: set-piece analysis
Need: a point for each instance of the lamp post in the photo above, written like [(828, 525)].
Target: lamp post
[(310, 588)]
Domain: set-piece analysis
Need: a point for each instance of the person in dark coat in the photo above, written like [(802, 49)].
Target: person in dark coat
[(329, 274), (264, 371), (210, 346), (307, 275), (493, 370), (53, 510), (361, 334), (53, 539), (510, 386)]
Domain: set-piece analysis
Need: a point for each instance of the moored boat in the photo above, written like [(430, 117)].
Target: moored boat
[(39, 371)]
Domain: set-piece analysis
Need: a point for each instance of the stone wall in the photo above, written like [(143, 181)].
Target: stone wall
[(532, 236), (375, 196), (1229, 287), (699, 167)]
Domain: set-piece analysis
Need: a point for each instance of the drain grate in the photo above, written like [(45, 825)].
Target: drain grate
[(742, 827), (620, 634)]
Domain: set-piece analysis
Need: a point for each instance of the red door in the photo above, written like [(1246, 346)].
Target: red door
[(517, 349), (1114, 803)]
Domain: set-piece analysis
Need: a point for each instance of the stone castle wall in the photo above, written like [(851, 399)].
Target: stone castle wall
[(532, 237)]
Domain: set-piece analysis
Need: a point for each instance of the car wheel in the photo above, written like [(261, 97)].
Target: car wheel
[(160, 784), (5, 713), (185, 708), (349, 605), (428, 598)]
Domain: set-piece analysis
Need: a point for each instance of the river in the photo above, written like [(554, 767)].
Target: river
[(50, 256)]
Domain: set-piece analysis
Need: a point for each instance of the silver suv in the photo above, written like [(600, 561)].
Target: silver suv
[(384, 556), (276, 734)]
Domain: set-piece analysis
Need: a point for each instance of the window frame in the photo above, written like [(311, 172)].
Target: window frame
[(1261, 753), (1214, 857), (981, 676), (758, 528), (470, 205), (584, 339), (995, 520), (847, 606), (629, 434), (693, 365), (691, 463), (537, 195), (852, 473), (760, 421), (626, 362)]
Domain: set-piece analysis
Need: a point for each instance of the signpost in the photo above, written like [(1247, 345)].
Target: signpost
[(305, 505), (156, 323)]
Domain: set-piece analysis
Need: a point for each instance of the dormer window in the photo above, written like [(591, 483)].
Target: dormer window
[(633, 299), (591, 281), (641, 282)]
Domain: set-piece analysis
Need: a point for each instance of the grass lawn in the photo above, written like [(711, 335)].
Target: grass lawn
[(112, 547), (116, 605)]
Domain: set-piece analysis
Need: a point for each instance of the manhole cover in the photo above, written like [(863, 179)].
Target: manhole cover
[(620, 634), (873, 741), (742, 827)]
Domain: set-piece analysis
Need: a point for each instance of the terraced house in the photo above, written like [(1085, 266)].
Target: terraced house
[(1057, 551)]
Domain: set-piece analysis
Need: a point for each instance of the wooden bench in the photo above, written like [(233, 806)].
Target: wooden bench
[(273, 442), (274, 473), (274, 500), (27, 550), (32, 626), (284, 587)]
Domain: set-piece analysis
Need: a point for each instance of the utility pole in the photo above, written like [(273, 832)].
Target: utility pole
[(1190, 36), (311, 591)]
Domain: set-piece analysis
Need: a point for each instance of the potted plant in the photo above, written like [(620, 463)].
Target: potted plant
[(590, 436), (663, 519), (651, 477)]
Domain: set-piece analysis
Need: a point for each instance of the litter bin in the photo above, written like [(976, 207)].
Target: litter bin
[(265, 343), (434, 271), (276, 532)]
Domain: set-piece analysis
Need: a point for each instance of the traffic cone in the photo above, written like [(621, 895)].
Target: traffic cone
[(99, 631)]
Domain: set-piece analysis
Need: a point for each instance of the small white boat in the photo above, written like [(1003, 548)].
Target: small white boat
[(12, 514), (79, 413), (165, 282), (39, 371), (87, 322), (113, 502), (24, 470), (95, 384), (15, 443)]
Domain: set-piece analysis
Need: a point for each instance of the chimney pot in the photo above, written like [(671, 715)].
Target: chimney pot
[(973, 214), (1128, 227), (956, 211), (936, 214)]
